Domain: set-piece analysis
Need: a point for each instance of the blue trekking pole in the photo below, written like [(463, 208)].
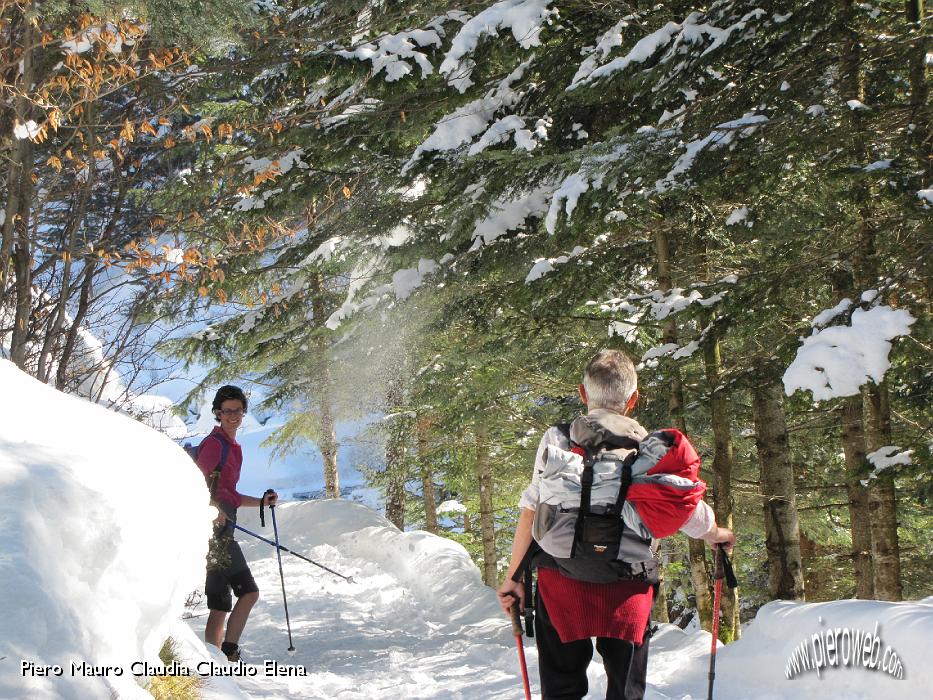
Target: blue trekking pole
[(237, 526), (278, 551)]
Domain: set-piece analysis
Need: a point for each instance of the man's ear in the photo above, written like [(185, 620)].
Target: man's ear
[(632, 403), (582, 390)]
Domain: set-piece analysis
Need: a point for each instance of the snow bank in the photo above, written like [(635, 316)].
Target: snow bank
[(438, 572), (92, 566), (775, 644), (757, 666)]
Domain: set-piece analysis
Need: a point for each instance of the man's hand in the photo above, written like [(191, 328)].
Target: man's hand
[(723, 536), (508, 593), (270, 498)]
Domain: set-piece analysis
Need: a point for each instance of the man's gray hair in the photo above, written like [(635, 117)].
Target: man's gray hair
[(609, 380)]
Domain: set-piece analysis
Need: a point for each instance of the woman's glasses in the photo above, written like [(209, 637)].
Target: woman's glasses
[(232, 412)]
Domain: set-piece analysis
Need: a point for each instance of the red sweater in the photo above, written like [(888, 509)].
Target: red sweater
[(580, 610), (209, 453)]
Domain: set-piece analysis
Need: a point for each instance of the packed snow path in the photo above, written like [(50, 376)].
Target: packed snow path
[(418, 623), (396, 630)]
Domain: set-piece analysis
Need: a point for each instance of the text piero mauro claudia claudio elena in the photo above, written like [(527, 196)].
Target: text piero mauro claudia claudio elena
[(145, 669)]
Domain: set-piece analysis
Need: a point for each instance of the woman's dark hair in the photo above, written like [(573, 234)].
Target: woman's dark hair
[(228, 392)]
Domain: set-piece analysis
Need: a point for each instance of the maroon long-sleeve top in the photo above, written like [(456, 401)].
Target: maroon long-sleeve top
[(209, 454)]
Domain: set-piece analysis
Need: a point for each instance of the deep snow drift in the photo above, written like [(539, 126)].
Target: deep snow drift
[(103, 528)]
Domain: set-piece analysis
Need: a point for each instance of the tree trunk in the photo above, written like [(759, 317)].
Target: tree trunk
[(427, 477), (699, 572), (919, 90), (18, 184), (882, 501), (722, 469), (22, 267), (853, 446), (395, 489), (395, 456), (84, 296), (881, 497), (19, 206), (54, 328), (328, 446), (782, 532), (327, 439), (659, 608), (876, 411), (487, 523)]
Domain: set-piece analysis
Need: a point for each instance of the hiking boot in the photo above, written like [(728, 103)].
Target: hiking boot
[(231, 651)]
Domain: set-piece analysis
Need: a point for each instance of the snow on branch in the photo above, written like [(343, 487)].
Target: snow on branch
[(675, 351), (888, 456), (499, 132), (472, 119), (836, 361), (525, 19), (275, 167), (29, 130), (405, 281), (505, 215), (720, 137), (451, 507), (569, 192), (644, 49), (592, 173), (672, 36), (323, 252), (543, 266), (885, 458), (389, 52)]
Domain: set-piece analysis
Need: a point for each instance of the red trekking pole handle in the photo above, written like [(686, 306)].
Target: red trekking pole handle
[(517, 632), (723, 571)]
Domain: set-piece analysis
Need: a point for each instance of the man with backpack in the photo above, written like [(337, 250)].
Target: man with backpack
[(220, 457), (602, 491)]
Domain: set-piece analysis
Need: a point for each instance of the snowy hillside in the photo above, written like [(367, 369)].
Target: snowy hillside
[(103, 528)]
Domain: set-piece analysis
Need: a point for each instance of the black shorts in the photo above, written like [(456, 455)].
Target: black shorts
[(237, 577)]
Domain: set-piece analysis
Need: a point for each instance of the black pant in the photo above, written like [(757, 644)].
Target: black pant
[(562, 667)]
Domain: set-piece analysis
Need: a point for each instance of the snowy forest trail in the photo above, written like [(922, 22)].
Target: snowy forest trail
[(392, 632), (417, 622)]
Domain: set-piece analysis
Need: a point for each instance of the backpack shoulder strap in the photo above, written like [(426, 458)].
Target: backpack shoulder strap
[(586, 490), (626, 482), (215, 475), (224, 451)]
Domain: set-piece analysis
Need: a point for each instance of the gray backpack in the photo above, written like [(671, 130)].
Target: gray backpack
[(583, 522)]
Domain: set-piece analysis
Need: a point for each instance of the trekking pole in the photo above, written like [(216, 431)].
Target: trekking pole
[(517, 631), (348, 579), (278, 551), (723, 570)]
